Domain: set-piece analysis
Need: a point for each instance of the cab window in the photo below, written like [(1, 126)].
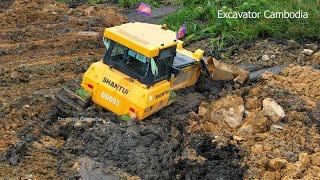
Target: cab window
[(129, 60), (164, 62)]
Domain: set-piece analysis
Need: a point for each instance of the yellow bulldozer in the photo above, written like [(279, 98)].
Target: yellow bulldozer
[(143, 66)]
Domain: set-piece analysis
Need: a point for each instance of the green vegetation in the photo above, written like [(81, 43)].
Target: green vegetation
[(83, 93), (201, 17), (126, 118)]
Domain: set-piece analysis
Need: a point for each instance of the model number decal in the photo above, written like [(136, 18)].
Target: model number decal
[(109, 98)]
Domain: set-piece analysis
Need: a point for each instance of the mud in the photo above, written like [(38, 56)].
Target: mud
[(41, 49), (45, 44), (150, 149)]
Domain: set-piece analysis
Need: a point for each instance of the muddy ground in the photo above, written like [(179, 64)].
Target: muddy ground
[(45, 44)]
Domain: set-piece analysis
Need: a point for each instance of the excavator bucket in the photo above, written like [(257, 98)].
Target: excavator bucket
[(222, 71)]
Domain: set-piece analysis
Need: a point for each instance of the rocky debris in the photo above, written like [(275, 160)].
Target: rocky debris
[(265, 58), (313, 47), (26, 106), (280, 127), (253, 103), (228, 111), (315, 159), (307, 52), (316, 59), (275, 127), (273, 110), (300, 81), (292, 44), (304, 159), (278, 163), (312, 173), (293, 170), (278, 52), (271, 175), (203, 108), (256, 122), (257, 149), (238, 138)]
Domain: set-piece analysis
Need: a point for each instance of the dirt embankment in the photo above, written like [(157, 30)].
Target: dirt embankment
[(281, 144)]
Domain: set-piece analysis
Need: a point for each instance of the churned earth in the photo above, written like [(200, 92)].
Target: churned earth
[(43, 44), (219, 133)]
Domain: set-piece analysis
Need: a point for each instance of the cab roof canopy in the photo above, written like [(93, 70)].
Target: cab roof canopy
[(146, 39)]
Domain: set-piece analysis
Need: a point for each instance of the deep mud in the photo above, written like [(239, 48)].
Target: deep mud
[(155, 148), (45, 44), (42, 47)]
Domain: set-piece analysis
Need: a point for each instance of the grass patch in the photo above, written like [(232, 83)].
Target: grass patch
[(83, 93), (201, 17)]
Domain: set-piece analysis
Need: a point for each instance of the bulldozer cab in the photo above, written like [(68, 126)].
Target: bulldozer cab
[(141, 51), (147, 70)]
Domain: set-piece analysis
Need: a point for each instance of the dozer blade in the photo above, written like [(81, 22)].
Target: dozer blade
[(222, 71)]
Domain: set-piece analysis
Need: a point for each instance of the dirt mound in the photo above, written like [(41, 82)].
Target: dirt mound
[(263, 52), (270, 53), (274, 149), (303, 82)]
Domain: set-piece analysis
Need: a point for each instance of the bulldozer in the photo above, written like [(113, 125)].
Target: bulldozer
[(143, 67)]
